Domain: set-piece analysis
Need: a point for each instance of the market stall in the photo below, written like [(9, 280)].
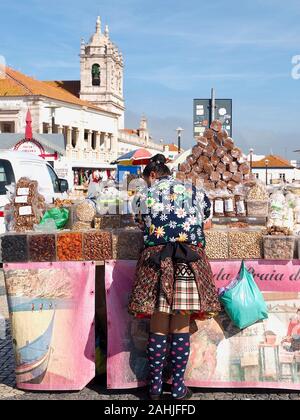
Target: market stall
[(265, 355), (55, 257)]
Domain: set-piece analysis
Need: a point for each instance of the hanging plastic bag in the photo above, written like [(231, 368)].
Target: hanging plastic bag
[(59, 215), (243, 301)]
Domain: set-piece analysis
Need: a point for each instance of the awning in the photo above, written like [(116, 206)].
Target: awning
[(52, 142), (91, 165)]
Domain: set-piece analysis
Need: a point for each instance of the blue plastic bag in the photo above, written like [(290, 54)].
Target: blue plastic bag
[(243, 301)]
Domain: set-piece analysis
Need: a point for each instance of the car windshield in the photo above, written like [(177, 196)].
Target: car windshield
[(6, 175)]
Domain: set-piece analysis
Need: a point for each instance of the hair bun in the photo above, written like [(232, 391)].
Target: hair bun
[(159, 159)]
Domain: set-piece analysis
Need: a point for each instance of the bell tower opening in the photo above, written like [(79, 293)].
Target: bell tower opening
[(96, 75)]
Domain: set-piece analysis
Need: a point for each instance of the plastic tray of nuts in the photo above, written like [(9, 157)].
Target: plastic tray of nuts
[(216, 244), (245, 243), (279, 247)]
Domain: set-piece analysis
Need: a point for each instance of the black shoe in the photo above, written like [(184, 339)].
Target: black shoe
[(189, 394)]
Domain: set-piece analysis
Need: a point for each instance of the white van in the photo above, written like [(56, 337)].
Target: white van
[(15, 165)]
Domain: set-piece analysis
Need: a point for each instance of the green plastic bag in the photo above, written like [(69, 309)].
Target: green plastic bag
[(243, 301), (59, 215)]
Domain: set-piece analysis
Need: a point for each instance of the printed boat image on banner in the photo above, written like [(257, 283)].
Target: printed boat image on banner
[(52, 317), (33, 359)]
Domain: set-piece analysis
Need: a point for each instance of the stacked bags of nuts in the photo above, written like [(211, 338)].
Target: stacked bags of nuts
[(216, 161), (85, 214), (28, 205)]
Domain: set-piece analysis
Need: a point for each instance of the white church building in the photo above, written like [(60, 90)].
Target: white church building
[(88, 113)]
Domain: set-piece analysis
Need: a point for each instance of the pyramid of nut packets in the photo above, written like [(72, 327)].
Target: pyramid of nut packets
[(217, 164)]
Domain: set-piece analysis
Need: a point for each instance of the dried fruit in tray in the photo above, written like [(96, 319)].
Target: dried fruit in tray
[(97, 246), (69, 246), (127, 244), (14, 248), (42, 248)]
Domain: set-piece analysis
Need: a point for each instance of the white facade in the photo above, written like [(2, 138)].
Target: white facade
[(276, 175)]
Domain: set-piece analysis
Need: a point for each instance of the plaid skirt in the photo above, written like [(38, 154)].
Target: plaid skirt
[(186, 299)]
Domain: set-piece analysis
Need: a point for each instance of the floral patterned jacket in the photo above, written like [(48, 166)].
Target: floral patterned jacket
[(173, 211)]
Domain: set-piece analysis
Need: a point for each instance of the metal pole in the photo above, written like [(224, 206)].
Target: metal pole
[(53, 122), (213, 105), (179, 146), (266, 174)]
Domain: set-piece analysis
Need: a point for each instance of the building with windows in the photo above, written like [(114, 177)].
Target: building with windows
[(89, 112), (275, 169), (171, 151)]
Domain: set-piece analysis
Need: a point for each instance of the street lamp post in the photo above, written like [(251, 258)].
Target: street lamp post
[(179, 131), (267, 166), (251, 151)]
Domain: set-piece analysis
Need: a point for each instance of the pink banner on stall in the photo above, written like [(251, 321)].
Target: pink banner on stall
[(266, 355), (52, 309)]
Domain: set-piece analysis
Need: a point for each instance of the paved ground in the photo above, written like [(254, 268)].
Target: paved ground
[(97, 390)]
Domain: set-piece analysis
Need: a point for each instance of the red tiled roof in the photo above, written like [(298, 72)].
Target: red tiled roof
[(274, 162), (129, 131), (172, 147), (71, 86), (18, 84)]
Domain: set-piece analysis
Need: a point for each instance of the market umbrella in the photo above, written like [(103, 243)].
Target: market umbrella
[(135, 157)]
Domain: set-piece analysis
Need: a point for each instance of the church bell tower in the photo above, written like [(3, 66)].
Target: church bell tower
[(102, 73)]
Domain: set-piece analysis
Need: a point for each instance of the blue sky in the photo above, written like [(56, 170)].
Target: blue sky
[(175, 51)]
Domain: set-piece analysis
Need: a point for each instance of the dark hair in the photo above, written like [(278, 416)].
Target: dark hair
[(158, 165)]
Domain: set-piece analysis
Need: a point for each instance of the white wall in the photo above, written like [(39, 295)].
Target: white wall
[(76, 117), (290, 174), (7, 106)]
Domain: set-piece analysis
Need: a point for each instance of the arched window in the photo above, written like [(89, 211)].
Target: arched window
[(96, 75)]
